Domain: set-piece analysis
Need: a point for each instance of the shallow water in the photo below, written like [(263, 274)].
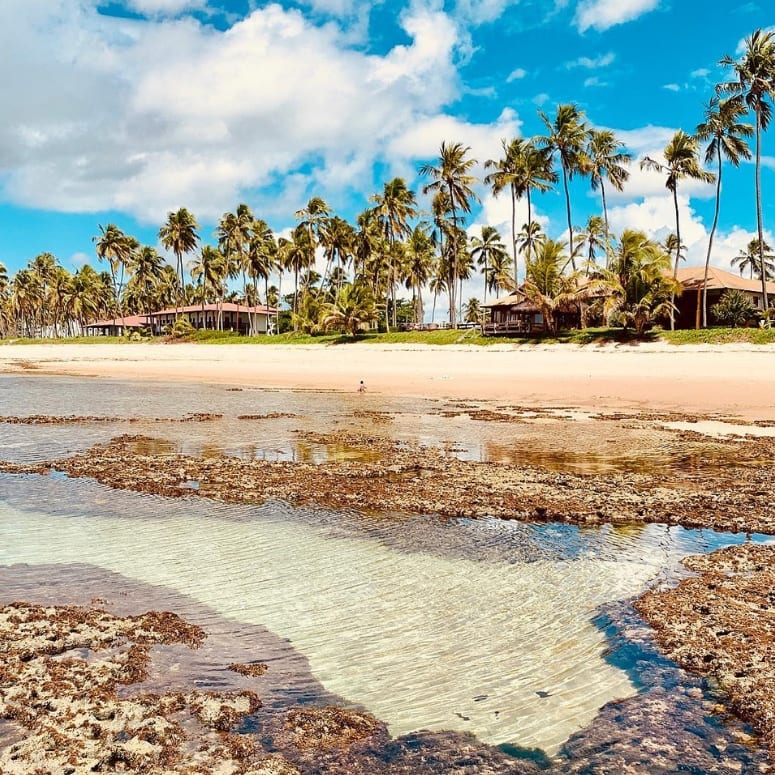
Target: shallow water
[(482, 626)]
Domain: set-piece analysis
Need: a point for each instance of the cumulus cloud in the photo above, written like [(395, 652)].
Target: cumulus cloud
[(148, 115), (603, 14)]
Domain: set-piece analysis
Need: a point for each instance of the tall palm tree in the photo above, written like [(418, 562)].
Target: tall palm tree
[(754, 86), (234, 232), (207, 270), (568, 137), (145, 266), (451, 175), (418, 267), (594, 236), (607, 159), (262, 259), (490, 254), (179, 234), (530, 238), (681, 161), (115, 247), (546, 283), (725, 133), (393, 209), (337, 237)]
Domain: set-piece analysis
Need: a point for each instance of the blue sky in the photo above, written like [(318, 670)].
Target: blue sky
[(120, 111)]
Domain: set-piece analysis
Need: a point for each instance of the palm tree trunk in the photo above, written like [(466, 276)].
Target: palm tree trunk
[(513, 237), (452, 289), (759, 227), (567, 208), (677, 256), (607, 228), (710, 244)]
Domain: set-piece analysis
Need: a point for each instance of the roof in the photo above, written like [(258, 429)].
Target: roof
[(506, 301), (691, 277), (227, 306), (128, 321)]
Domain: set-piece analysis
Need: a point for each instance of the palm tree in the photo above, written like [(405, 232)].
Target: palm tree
[(751, 259), (523, 168), (726, 133), (392, 210), (451, 175), (234, 232), (530, 238), (568, 137), (337, 237), (353, 308), (262, 258), (594, 236), (640, 287), (179, 234), (681, 161), (546, 284), (208, 270), (115, 247), (490, 254), (473, 311), (754, 86), (607, 159), (418, 267), (145, 266)]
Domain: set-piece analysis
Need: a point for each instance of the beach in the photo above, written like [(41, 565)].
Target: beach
[(457, 549), (732, 379)]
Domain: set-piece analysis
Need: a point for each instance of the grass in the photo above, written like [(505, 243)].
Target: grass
[(588, 336)]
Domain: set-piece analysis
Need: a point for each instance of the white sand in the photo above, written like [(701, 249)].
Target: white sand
[(733, 379)]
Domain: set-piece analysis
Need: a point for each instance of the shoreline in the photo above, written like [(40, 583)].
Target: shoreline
[(736, 380)]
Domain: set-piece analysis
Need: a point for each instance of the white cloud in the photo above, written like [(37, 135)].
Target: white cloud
[(593, 81), (602, 14), (165, 7), (592, 64), (516, 75), (701, 72), (149, 115), (672, 87)]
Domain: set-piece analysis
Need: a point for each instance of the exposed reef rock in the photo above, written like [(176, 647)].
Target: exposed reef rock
[(721, 624)]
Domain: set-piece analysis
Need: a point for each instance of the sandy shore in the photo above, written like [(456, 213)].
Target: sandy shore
[(732, 379)]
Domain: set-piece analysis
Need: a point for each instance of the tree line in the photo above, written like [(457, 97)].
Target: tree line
[(394, 247)]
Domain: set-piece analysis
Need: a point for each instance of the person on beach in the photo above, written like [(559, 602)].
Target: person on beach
[(361, 387)]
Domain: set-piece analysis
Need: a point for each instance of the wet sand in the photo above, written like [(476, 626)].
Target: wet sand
[(736, 379)]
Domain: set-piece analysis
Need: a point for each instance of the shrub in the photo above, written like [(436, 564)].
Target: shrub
[(734, 309)]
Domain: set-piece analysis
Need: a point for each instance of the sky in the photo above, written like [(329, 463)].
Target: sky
[(120, 111)]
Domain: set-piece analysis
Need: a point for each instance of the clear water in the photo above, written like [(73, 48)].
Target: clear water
[(487, 627)]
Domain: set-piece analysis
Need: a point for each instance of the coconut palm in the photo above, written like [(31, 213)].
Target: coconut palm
[(337, 237), (594, 238), (725, 135), (354, 308), (262, 258), (473, 311), (546, 283), (607, 159), (754, 86), (491, 256), (208, 270), (681, 161), (568, 138), (234, 232), (393, 209), (451, 176), (145, 266), (418, 267), (115, 247), (179, 234), (751, 258), (530, 238), (639, 284)]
